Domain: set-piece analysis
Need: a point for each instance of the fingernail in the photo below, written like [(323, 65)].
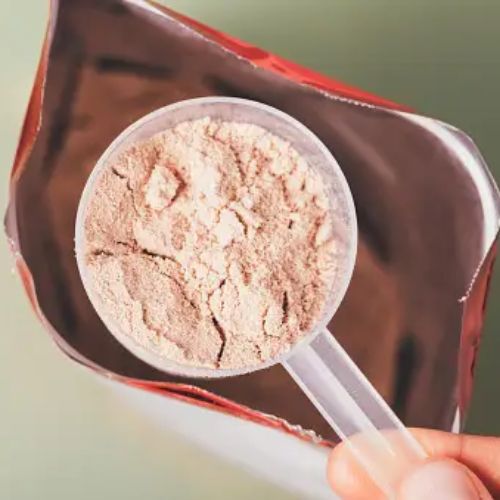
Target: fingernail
[(446, 480)]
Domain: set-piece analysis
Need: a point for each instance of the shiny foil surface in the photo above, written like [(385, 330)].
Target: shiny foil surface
[(428, 210)]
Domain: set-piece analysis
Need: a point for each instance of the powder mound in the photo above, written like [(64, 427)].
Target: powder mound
[(210, 244)]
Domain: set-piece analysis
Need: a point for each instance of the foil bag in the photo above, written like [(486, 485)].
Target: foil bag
[(427, 207)]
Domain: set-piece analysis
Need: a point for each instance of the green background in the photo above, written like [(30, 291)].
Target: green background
[(65, 436)]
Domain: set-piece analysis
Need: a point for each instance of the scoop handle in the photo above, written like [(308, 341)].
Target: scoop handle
[(354, 409)]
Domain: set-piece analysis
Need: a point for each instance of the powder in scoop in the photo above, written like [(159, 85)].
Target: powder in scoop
[(210, 244)]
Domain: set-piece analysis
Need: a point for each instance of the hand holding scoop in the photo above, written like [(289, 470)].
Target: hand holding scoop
[(317, 362)]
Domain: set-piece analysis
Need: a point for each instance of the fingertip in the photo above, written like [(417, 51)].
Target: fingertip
[(445, 477), (336, 468), (346, 478)]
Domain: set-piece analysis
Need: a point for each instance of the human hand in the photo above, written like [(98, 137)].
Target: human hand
[(460, 467)]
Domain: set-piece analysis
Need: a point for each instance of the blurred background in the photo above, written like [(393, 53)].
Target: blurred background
[(63, 434)]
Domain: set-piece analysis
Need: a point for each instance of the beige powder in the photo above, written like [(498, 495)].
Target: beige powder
[(211, 244)]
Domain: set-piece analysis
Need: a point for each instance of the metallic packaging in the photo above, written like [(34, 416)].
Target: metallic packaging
[(427, 207)]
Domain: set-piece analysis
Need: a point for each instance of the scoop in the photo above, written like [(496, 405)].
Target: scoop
[(317, 363)]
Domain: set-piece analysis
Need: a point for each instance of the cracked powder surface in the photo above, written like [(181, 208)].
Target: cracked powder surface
[(210, 244)]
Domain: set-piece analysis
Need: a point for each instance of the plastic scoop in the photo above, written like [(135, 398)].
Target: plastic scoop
[(317, 363)]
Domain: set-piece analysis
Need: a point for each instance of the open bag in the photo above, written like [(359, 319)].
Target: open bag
[(427, 207)]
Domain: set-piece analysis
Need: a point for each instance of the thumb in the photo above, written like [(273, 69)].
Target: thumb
[(444, 479)]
